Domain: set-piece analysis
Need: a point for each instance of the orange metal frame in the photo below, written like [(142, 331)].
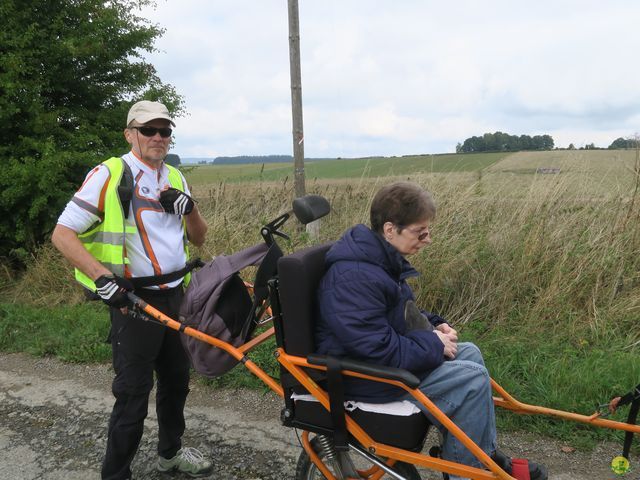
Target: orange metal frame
[(296, 365)]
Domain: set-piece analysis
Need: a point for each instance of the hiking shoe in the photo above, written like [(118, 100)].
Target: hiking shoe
[(187, 460)]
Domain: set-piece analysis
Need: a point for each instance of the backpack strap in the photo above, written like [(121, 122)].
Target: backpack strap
[(125, 189), (141, 282)]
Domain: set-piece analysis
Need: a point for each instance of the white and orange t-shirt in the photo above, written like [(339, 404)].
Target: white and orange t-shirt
[(158, 247)]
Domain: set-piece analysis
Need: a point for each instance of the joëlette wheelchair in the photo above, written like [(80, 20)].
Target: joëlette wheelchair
[(340, 445)]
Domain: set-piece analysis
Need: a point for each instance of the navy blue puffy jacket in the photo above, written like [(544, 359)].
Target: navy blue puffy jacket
[(362, 298)]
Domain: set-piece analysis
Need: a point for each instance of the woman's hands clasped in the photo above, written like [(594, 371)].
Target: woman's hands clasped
[(449, 338)]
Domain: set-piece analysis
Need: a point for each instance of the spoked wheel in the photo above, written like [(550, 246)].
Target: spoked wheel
[(349, 463)]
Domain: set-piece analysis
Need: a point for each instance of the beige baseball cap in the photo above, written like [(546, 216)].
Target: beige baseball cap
[(145, 111)]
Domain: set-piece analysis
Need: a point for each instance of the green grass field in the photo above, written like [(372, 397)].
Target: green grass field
[(343, 168)]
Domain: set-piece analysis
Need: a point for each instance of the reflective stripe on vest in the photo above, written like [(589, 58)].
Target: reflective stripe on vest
[(106, 241), (175, 180)]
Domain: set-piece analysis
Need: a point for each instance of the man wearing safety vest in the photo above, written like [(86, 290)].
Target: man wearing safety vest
[(127, 229)]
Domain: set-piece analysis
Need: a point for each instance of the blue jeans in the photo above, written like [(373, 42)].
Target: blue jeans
[(462, 390)]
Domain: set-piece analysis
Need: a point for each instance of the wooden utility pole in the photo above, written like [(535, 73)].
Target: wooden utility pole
[(296, 99)]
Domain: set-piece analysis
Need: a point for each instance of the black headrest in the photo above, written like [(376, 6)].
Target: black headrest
[(299, 275)]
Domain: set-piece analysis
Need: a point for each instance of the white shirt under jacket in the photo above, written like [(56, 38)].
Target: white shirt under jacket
[(158, 247)]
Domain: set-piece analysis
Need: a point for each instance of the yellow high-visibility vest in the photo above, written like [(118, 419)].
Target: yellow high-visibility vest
[(106, 241)]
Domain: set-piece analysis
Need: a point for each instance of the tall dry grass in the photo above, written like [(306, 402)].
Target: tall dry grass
[(552, 256), (543, 251)]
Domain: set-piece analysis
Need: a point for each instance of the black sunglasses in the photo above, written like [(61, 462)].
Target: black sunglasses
[(165, 132)]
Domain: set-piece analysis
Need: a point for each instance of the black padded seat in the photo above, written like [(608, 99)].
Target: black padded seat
[(299, 275), (407, 432)]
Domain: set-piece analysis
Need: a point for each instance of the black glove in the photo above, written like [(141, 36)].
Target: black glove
[(113, 289), (176, 202)]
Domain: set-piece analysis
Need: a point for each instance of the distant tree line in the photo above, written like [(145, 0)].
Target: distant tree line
[(253, 159), (625, 143), (503, 142), (588, 146), (249, 159), (618, 143)]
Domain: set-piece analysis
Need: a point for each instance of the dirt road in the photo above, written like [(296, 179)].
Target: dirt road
[(53, 421)]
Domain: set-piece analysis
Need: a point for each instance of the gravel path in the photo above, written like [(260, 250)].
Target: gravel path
[(53, 422)]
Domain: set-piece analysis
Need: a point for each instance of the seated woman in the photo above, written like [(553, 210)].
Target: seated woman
[(365, 303)]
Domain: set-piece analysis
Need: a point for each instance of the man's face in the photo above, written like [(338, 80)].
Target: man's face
[(152, 149)]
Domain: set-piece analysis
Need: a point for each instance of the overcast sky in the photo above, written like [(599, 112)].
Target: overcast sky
[(398, 77)]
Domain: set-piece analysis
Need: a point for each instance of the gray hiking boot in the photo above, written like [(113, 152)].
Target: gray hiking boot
[(187, 460)]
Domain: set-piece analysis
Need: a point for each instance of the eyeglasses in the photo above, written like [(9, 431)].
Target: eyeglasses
[(420, 233), (165, 132)]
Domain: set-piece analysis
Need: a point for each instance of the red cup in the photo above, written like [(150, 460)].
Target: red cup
[(520, 469)]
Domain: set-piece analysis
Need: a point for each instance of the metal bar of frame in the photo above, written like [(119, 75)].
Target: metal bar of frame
[(510, 403)]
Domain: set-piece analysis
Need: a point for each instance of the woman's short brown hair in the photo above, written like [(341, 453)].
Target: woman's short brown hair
[(401, 203)]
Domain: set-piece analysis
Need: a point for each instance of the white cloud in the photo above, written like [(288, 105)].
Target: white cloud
[(392, 78)]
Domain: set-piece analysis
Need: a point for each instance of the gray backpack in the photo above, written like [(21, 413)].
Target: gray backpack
[(218, 303)]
